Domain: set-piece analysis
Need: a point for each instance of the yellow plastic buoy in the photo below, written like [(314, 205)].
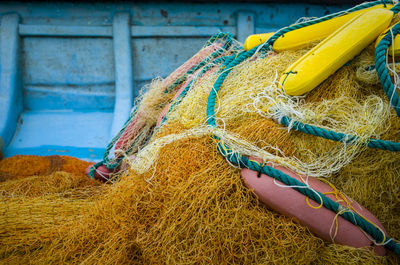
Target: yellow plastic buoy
[(394, 48), (256, 39), (333, 52), (301, 37)]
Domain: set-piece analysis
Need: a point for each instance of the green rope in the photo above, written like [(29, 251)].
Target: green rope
[(380, 65), (339, 137)]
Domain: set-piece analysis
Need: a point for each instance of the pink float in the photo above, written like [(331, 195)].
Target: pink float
[(319, 220), (101, 173)]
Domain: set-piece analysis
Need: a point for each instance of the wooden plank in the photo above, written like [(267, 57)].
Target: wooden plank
[(10, 78), (123, 71), (107, 31), (65, 31), (245, 25), (178, 31)]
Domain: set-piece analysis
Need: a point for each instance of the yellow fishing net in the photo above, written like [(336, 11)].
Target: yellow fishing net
[(178, 201)]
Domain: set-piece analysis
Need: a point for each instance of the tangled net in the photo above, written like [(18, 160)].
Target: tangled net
[(175, 200)]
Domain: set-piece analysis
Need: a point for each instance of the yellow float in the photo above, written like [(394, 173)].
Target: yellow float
[(299, 38), (333, 52)]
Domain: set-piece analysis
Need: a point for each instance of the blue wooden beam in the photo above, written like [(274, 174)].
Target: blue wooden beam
[(179, 31), (65, 31), (245, 25), (107, 31), (10, 78), (124, 93)]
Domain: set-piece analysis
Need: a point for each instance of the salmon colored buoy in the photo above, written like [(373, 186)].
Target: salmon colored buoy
[(101, 173), (321, 221)]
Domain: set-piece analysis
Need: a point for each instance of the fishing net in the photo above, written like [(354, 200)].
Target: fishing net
[(37, 195), (174, 199), (155, 98)]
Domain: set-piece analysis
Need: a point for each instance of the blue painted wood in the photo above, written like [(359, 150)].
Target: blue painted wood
[(124, 94), (57, 70), (10, 80), (90, 97), (179, 31), (106, 31), (70, 62), (87, 153), (65, 31), (64, 129), (155, 57), (245, 25)]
